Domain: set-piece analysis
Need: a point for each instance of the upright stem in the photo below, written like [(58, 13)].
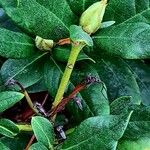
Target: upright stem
[(76, 48)]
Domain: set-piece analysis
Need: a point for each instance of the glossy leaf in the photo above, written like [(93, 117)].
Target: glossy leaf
[(78, 35), (8, 99), (138, 126), (101, 132), (140, 144), (118, 78), (36, 19), (26, 71), (37, 146), (61, 9), (19, 142), (6, 22), (43, 131), (129, 40), (121, 105), (79, 6), (15, 45), (3, 147), (141, 72), (95, 95), (128, 11), (141, 113), (2, 15), (37, 87), (8, 128), (137, 129)]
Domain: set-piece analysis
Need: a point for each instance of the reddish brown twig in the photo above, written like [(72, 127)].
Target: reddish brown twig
[(64, 42), (65, 101), (30, 142), (88, 80)]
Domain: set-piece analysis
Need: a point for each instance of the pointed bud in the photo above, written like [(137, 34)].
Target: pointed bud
[(91, 18), (61, 132), (40, 108), (44, 44), (78, 102)]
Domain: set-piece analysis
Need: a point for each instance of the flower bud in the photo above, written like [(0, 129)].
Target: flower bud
[(44, 44), (91, 18)]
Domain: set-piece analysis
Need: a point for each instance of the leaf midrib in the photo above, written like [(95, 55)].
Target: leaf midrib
[(134, 16), (54, 15), (7, 130), (93, 136), (27, 65), (49, 142), (134, 73), (112, 37), (18, 43)]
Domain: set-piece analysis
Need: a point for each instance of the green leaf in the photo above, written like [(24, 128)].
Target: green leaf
[(95, 95), (131, 33), (37, 146), (128, 11), (15, 45), (8, 128), (79, 6), (3, 147), (118, 78), (139, 124), (19, 142), (121, 105), (6, 22), (129, 40), (140, 144), (9, 24), (137, 129), (141, 113), (8, 99), (141, 72), (37, 87), (2, 87), (43, 131), (61, 9), (36, 19), (26, 71), (78, 35), (3, 16), (52, 76), (62, 54), (95, 133)]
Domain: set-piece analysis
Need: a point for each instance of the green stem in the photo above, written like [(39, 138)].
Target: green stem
[(25, 127), (75, 50), (29, 101)]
